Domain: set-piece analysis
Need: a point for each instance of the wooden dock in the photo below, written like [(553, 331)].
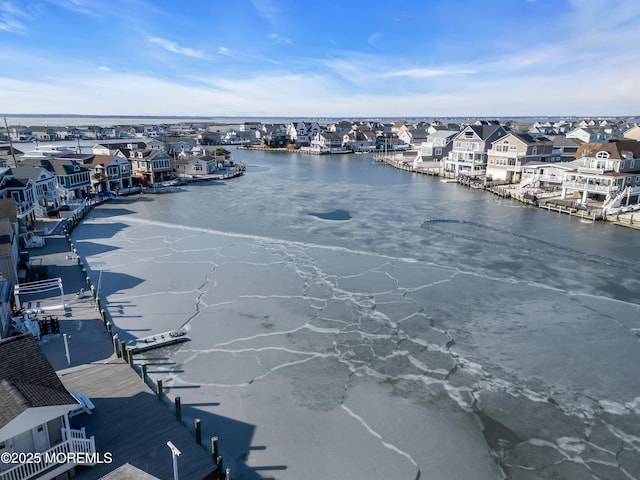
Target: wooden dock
[(131, 423)]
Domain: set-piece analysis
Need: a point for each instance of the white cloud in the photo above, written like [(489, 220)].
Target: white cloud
[(9, 22), (315, 95), (374, 39), (104, 69), (430, 72), (85, 7), (175, 48), (266, 9), (279, 38)]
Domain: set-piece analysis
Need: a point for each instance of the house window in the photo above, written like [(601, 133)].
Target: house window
[(602, 154)]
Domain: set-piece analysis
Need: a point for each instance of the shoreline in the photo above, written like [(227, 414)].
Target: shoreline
[(629, 219)]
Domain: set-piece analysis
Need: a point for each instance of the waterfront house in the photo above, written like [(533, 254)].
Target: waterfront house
[(391, 143), (546, 176), (45, 134), (109, 173), (150, 166), (360, 140), (468, 155), (19, 133), (437, 146), (609, 173), (302, 133), (73, 178), (210, 138), (414, 137), (510, 153), (34, 414), (34, 189), (327, 142), (198, 166)]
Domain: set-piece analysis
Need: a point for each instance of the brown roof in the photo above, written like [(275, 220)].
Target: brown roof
[(27, 379), (99, 160), (8, 209), (616, 149)]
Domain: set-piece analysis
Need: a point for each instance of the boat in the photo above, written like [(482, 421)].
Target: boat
[(159, 340), (47, 151)]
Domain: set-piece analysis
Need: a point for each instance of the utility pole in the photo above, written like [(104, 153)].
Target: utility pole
[(13, 153)]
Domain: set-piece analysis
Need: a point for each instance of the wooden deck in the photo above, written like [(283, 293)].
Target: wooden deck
[(132, 424)]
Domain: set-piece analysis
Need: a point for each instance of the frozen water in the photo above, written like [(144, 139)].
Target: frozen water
[(438, 332)]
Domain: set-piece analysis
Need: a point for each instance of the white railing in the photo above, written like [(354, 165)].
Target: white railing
[(615, 201), (511, 154), (590, 187), (76, 442), (40, 211)]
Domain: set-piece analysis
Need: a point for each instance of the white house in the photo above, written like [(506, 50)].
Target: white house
[(610, 173), (548, 176), (34, 414), (198, 166), (327, 142)]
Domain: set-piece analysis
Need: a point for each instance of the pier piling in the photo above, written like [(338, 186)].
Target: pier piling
[(196, 424)]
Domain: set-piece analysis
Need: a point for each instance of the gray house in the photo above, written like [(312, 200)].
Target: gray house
[(469, 153)]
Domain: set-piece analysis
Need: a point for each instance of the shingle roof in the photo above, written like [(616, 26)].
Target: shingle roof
[(617, 150), (26, 173), (484, 131), (128, 472), (8, 209), (27, 379)]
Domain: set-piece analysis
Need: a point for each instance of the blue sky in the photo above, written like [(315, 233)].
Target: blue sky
[(331, 58)]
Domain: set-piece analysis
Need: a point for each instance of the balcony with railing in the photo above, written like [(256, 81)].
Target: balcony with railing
[(23, 209), (510, 154), (53, 462), (590, 187)]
